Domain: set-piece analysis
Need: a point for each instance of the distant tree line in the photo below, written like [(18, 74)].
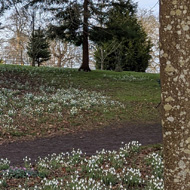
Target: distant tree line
[(119, 39)]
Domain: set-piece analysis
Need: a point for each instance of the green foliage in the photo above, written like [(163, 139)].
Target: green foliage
[(38, 48), (70, 19), (132, 177), (4, 164), (3, 184), (15, 172), (126, 44)]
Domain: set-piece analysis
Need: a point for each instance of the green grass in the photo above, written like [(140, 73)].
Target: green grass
[(37, 100)]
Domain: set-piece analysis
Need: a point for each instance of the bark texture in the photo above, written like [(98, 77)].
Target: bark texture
[(175, 81), (85, 61)]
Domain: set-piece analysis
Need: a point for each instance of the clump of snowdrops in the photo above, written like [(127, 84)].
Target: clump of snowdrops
[(76, 171)]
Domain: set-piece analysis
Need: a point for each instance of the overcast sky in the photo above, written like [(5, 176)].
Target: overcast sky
[(148, 4)]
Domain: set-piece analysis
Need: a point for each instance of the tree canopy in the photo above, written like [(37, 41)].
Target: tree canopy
[(104, 23), (133, 45)]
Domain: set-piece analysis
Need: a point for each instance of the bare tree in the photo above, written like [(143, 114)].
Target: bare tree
[(175, 80), (17, 27), (60, 52), (150, 23), (106, 49), (65, 54)]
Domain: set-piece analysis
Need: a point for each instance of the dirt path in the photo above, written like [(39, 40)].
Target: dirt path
[(109, 138)]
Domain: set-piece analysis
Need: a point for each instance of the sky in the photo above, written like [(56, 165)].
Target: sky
[(148, 4)]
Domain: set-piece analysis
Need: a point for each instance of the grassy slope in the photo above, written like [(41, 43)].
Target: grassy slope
[(140, 97), (138, 92)]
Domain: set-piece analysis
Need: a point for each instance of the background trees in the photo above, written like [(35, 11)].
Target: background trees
[(122, 31), (72, 28), (64, 54), (112, 25), (150, 24), (16, 27)]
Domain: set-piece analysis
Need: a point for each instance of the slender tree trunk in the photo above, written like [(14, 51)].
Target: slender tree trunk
[(102, 58), (59, 61), (59, 56), (33, 30), (21, 57), (85, 61), (175, 81)]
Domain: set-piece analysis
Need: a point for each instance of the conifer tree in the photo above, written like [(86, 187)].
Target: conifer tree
[(38, 48), (74, 20), (131, 48)]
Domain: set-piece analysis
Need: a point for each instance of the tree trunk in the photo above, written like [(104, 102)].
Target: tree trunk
[(175, 82), (33, 62), (102, 58), (85, 61), (59, 61), (33, 29), (59, 56), (21, 57)]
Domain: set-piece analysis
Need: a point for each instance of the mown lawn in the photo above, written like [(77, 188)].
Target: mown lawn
[(42, 101)]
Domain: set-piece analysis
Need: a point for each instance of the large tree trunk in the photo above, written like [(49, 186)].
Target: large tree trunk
[(85, 61), (175, 81)]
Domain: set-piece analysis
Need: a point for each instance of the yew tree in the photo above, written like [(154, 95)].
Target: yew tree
[(175, 82), (126, 43)]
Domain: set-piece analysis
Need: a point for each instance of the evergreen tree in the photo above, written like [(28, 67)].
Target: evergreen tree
[(38, 48), (73, 27), (73, 24), (122, 27)]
